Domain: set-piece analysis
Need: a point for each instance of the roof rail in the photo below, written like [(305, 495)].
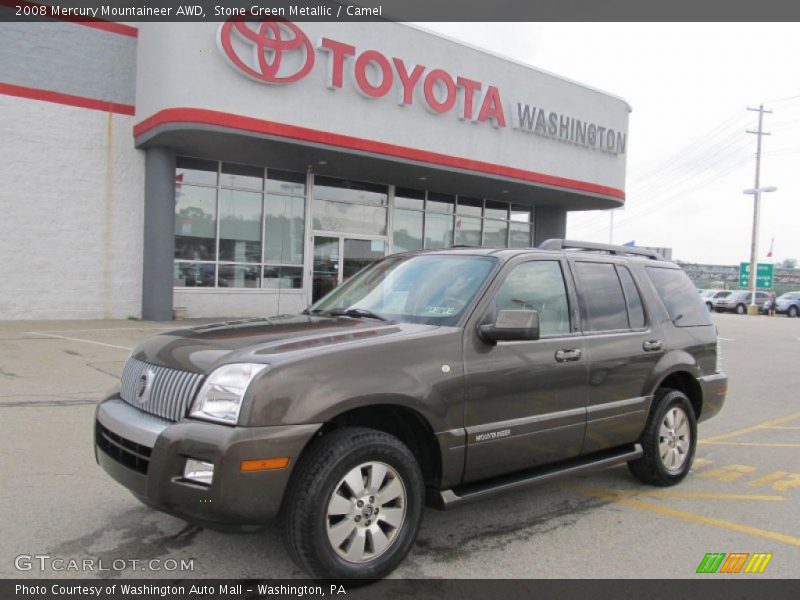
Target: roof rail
[(558, 244)]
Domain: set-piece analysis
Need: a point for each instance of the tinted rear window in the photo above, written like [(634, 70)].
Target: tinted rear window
[(602, 300), (680, 297)]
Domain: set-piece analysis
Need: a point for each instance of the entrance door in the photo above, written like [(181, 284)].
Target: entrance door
[(337, 258)]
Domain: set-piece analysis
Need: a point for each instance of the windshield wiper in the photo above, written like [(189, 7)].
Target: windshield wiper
[(356, 312)]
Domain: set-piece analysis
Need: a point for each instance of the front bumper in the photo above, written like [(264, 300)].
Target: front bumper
[(147, 455), (714, 388)]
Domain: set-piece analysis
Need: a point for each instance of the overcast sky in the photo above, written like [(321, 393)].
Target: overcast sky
[(689, 157)]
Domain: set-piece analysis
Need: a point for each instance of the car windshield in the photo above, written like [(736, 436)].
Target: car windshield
[(722, 294), (430, 289)]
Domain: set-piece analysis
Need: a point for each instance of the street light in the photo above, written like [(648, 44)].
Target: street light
[(756, 193)]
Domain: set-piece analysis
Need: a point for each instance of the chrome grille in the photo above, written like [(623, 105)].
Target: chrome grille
[(169, 393)]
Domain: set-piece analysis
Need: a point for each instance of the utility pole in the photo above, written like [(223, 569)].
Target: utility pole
[(759, 133)]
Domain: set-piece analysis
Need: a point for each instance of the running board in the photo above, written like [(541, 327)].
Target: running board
[(457, 496)]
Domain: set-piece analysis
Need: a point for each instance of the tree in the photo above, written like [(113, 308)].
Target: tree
[(789, 263)]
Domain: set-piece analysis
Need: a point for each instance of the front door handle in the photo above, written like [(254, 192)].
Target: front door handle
[(569, 355), (652, 345)]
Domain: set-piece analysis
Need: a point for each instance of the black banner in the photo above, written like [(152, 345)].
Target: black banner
[(405, 10), (435, 589)]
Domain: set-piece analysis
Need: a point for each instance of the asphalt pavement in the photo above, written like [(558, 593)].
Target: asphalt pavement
[(743, 495)]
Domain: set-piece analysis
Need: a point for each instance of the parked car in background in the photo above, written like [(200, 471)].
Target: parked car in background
[(708, 297), (719, 297), (739, 301), (788, 304)]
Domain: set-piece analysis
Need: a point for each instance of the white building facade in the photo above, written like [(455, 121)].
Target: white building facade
[(245, 169)]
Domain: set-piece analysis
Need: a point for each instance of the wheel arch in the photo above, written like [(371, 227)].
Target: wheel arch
[(684, 380)]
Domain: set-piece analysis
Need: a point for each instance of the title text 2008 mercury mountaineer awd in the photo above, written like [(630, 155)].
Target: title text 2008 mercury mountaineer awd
[(441, 375)]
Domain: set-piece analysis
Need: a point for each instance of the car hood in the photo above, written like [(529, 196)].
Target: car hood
[(199, 349)]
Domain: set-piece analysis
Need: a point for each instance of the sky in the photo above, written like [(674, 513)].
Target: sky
[(689, 158)]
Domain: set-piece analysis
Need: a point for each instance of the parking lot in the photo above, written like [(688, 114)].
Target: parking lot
[(742, 496)]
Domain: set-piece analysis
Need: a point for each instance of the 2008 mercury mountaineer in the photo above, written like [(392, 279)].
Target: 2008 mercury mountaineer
[(441, 376)]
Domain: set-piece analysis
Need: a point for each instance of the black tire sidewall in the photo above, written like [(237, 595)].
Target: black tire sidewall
[(740, 309), (669, 400), (380, 448), (792, 312)]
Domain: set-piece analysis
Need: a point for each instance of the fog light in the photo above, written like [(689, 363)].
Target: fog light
[(198, 471)]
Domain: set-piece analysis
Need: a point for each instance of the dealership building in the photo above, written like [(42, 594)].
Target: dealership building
[(246, 168)]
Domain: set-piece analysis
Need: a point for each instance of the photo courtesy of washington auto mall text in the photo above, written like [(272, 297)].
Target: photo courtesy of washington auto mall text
[(399, 299)]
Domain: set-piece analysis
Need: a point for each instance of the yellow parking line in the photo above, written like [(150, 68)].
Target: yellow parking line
[(761, 444), (612, 496), (712, 496), (779, 427), (769, 423)]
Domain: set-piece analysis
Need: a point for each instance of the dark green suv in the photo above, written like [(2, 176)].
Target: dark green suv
[(439, 376)]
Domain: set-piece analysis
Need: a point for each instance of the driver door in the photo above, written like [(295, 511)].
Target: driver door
[(525, 400)]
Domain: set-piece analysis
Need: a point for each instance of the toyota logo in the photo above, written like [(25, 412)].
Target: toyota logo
[(143, 385), (271, 51)]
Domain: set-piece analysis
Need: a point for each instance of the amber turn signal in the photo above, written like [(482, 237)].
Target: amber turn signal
[(264, 464)]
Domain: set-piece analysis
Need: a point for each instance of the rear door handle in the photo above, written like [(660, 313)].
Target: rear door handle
[(652, 345), (569, 355)]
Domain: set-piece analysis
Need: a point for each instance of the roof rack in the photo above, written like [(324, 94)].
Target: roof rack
[(558, 244)]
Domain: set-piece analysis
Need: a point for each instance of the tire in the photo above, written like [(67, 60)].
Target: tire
[(654, 467), (372, 538), (792, 312), (741, 309)]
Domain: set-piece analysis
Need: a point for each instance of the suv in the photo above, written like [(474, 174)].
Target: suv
[(788, 304), (739, 301), (439, 376)]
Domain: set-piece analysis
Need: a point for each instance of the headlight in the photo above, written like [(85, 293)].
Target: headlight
[(220, 398)]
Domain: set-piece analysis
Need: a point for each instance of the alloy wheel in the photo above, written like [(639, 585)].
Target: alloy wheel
[(674, 439)]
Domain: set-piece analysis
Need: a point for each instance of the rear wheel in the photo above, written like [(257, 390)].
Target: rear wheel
[(668, 441), (354, 505), (741, 309), (792, 312)]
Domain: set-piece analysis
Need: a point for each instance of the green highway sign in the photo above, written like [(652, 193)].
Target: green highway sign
[(764, 275)]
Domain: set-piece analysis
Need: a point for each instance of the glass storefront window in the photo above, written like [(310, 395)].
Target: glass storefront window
[(438, 230), (495, 233), (440, 202), (232, 220), (468, 231), (470, 206), (341, 190), (521, 214), (283, 277), (349, 218), (406, 198), (520, 235), (241, 176), (284, 226), (496, 210), (239, 276), (288, 183), (195, 222), (190, 274), (239, 226), (195, 170), (407, 226)]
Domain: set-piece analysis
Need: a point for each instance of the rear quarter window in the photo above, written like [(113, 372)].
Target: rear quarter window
[(679, 296)]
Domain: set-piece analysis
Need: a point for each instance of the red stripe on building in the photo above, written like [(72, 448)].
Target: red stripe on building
[(68, 99), (100, 24), (242, 123)]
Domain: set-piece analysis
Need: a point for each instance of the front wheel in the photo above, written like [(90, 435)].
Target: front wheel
[(792, 312), (741, 309), (354, 505), (668, 441)]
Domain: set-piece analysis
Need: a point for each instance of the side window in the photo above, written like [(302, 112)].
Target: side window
[(632, 298), (679, 296), (537, 285), (602, 301)]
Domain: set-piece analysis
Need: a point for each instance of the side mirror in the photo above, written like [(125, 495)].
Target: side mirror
[(511, 326)]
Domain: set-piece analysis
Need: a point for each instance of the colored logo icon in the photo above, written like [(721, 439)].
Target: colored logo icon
[(270, 51), (735, 562)]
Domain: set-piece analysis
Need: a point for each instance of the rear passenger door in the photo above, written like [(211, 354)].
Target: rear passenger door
[(622, 346)]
